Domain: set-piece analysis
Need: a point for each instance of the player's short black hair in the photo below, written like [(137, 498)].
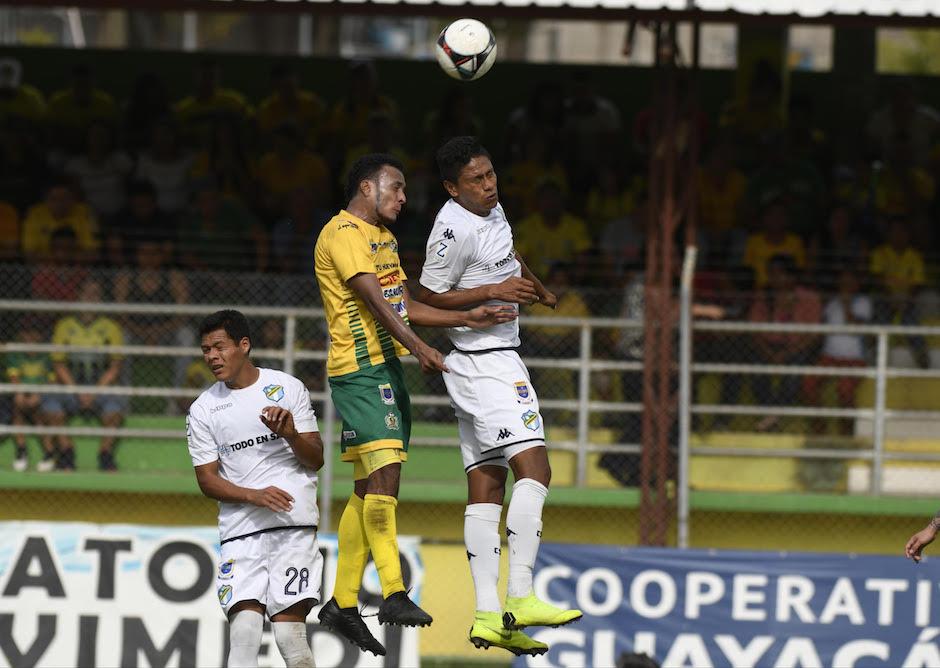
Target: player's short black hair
[(455, 154), (233, 322), (366, 168)]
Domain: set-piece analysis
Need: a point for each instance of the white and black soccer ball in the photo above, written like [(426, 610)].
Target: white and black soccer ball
[(466, 49)]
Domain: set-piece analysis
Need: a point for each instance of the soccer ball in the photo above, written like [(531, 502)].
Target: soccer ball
[(466, 49)]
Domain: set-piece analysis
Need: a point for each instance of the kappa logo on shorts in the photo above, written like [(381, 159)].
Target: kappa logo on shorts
[(531, 420), (388, 397), (225, 594), (391, 421), (227, 569), (523, 396), (349, 434), (274, 392), (503, 434)]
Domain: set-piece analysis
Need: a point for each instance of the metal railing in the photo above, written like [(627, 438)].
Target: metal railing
[(584, 364)]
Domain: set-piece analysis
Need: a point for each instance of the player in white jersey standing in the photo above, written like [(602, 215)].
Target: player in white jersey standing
[(471, 260), (255, 446)]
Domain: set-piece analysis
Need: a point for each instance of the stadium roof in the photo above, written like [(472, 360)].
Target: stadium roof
[(919, 13)]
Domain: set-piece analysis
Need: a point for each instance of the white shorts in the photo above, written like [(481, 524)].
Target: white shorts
[(276, 568), (496, 406)]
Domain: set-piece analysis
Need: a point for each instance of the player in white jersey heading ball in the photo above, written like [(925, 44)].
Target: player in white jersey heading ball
[(255, 446), (471, 260)]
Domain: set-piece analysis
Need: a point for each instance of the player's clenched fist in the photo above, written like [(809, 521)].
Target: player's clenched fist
[(273, 498), (280, 421)]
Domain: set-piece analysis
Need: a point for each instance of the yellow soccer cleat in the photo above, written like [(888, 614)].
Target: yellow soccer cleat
[(487, 631), (530, 611)]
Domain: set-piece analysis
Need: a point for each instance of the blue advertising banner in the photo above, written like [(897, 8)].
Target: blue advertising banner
[(709, 608)]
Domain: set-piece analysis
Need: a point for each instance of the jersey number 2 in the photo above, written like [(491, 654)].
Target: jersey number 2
[(301, 577)]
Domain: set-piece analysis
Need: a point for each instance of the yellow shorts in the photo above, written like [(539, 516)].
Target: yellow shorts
[(372, 461)]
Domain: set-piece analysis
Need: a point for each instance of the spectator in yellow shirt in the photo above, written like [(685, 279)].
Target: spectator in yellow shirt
[(349, 117), (100, 369), (898, 268), (773, 240), (61, 209), (73, 109), (537, 164), (208, 103), (551, 234), (19, 103), (289, 167), (227, 161), (289, 103), (721, 190), (904, 189), (380, 138)]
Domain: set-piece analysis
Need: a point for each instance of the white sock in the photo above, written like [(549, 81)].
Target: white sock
[(481, 536), (524, 530), (244, 634), (291, 639)]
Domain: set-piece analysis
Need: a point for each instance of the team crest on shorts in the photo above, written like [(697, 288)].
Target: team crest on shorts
[(274, 392), (391, 421), (523, 396), (388, 397), (225, 594), (531, 420), (227, 569)]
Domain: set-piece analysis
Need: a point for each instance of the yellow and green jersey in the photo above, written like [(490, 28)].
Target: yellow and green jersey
[(348, 246)]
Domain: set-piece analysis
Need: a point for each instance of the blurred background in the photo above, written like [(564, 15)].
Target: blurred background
[(782, 392)]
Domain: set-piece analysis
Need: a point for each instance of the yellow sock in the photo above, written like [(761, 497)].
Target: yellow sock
[(379, 520), (353, 554)]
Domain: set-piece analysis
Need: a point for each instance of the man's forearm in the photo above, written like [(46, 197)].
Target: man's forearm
[(453, 299), (528, 275), (308, 449), (428, 316), (218, 488), (394, 324)]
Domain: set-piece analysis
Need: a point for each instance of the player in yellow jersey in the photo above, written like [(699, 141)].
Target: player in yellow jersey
[(368, 310)]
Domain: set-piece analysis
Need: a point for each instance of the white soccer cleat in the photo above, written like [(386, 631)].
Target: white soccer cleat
[(20, 464)]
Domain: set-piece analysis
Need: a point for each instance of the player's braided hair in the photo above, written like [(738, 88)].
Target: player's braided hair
[(365, 169), (455, 154)]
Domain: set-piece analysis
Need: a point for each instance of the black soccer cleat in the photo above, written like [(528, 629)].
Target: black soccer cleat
[(348, 623), (400, 610)]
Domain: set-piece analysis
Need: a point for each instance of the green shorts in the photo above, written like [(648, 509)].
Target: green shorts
[(376, 409)]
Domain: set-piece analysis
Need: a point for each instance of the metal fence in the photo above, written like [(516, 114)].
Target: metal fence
[(869, 438)]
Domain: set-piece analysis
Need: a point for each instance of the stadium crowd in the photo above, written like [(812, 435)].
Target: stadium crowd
[(167, 197)]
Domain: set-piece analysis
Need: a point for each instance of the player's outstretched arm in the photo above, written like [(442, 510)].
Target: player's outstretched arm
[(479, 317), (916, 544), (216, 487), (307, 447), (545, 296), (513, 290), (367, 287)]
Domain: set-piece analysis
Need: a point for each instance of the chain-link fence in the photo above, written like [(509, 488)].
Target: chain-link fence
[(132, 388), (789, 445)]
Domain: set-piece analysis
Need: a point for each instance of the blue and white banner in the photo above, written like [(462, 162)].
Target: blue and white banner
[(739, 609), (76, 594)]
